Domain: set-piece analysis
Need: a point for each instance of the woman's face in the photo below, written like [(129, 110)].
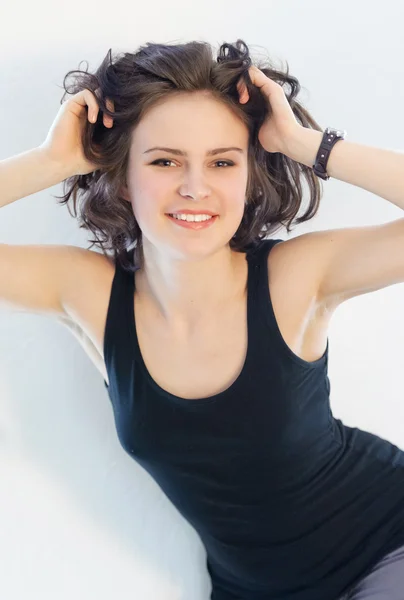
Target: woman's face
[(191, 124)]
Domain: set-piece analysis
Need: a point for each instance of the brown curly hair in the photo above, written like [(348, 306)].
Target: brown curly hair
[(137, 81)]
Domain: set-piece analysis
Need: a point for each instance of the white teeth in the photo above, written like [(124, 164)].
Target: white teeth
[(192, 217)]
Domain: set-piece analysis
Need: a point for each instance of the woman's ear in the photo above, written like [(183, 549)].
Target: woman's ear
[(124, 193)]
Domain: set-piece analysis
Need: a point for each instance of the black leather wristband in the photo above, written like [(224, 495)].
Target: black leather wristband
[(330, 138)]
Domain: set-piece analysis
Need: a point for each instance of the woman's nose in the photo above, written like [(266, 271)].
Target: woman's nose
[(195, 183)]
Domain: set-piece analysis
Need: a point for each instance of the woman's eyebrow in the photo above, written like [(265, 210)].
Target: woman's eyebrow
[(182, 153)]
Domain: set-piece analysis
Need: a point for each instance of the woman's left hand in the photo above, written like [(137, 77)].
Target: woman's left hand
[(278, 130)]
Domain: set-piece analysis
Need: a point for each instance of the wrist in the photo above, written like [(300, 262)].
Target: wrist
[(303, 146), (59, 169)]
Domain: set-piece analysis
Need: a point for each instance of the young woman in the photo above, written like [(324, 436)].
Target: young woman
[(210, 335)]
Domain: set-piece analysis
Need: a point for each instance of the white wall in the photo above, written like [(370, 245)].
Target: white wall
[(78, 518)]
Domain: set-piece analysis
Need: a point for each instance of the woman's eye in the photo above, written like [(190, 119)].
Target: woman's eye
[(166, 160), (226, 162), (160, 160)]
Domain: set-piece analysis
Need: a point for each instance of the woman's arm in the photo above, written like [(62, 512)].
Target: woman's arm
[(377, 170), (28, 173)]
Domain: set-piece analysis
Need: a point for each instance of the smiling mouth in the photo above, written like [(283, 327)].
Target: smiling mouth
[(175, 216), (192, 224)]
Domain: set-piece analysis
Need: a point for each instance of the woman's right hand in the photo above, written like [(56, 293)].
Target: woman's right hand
[(63, 143)]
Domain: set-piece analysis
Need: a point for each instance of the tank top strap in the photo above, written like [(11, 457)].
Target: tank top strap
[(261, 315), (259, 253), (258, 268), (262, 341), (118, 334)]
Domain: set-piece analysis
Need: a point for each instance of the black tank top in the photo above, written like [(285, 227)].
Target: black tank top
[(290, 503)]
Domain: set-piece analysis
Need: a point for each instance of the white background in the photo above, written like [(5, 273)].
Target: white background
[(78, 518)]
